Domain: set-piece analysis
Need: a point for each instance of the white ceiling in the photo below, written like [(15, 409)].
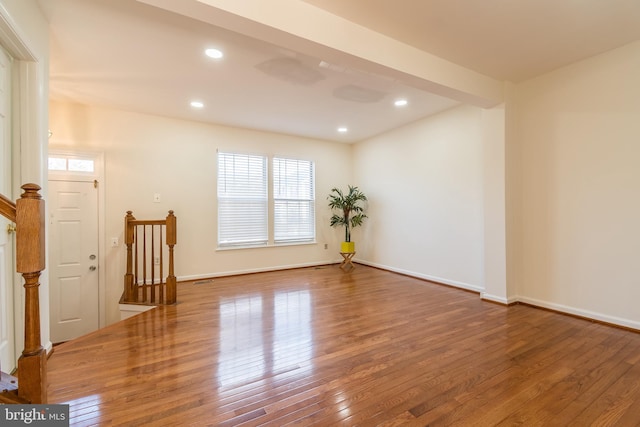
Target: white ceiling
[(510, 40), (132, 56)]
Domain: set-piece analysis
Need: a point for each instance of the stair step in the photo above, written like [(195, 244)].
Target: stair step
[(8, 382), (9, 389)]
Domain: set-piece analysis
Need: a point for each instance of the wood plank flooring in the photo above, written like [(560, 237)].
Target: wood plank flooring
[(319, 346)]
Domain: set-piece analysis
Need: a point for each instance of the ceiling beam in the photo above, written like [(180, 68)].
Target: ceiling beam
[(301, 27)]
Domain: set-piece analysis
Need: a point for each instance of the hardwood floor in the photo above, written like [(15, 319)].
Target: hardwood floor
[(318, 346)]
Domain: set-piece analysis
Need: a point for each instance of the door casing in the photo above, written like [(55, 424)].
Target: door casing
[(8, 351)]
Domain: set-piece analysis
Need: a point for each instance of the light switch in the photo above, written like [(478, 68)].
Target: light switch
[(156, 198)]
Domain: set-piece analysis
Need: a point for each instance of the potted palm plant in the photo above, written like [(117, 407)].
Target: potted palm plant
[(351, 213)]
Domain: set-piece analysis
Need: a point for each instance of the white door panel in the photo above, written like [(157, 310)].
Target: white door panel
[(73, 276)]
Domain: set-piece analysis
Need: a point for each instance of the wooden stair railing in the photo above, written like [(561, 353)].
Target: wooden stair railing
[(28, 215), (144, 281)]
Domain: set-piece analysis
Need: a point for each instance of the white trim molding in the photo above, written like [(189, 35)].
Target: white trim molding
[(500, 300), (130, 310), (250, 271), (586, 314), (440, 280)]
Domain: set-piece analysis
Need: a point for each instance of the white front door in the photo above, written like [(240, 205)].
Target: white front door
[(7, 266), (73, 254)]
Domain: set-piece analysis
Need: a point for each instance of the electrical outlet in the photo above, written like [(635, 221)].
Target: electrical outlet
[(114, 242), (326, 246), (156, 260), (156, 198)]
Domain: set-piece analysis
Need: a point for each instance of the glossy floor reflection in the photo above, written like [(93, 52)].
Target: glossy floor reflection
[(320, 346), (264, 335)]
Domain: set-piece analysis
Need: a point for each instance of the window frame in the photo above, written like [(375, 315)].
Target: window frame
[(271, 240), (306, 184), (252, 197)]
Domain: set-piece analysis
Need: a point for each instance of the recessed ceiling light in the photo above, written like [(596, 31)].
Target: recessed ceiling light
[(197, 104), (214, 53), (400, 102), (342, 129)]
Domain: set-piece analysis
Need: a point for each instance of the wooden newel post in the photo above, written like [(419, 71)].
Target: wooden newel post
[(30, 261), (130, 294), (172, 237)]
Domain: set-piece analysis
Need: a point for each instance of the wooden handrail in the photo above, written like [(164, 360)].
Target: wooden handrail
[(30, 261), (140, 280), (7, 208)]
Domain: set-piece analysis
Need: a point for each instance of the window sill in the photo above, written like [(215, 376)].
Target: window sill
[(267, 246)]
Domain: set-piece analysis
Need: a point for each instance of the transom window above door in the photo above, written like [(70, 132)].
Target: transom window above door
[(74, 164)]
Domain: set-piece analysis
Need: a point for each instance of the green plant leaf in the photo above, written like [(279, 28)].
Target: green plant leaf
[(350, 208)]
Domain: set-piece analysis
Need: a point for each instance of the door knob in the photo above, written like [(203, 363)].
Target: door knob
[(92, 268)]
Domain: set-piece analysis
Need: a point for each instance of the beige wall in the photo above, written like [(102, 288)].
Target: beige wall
[(579, 131), (424, 182), (147, 154)]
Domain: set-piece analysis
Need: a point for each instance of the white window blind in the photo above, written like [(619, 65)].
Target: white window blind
[(293, 200), (242, 200)]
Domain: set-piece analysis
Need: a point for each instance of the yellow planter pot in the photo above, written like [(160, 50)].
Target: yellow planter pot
[(348, 247)]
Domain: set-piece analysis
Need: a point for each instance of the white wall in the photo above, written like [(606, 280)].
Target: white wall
[(579, 130), (494, 205), (148, 154), (424, 183), (24, 34)]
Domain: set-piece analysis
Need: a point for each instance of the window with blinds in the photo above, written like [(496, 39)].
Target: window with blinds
[(293, 201), (242, 200)]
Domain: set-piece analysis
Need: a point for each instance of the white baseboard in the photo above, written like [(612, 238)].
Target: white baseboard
[(250, 271), (156, 281), (436, 279), (631, 324), (130, 310), (498, 299)]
